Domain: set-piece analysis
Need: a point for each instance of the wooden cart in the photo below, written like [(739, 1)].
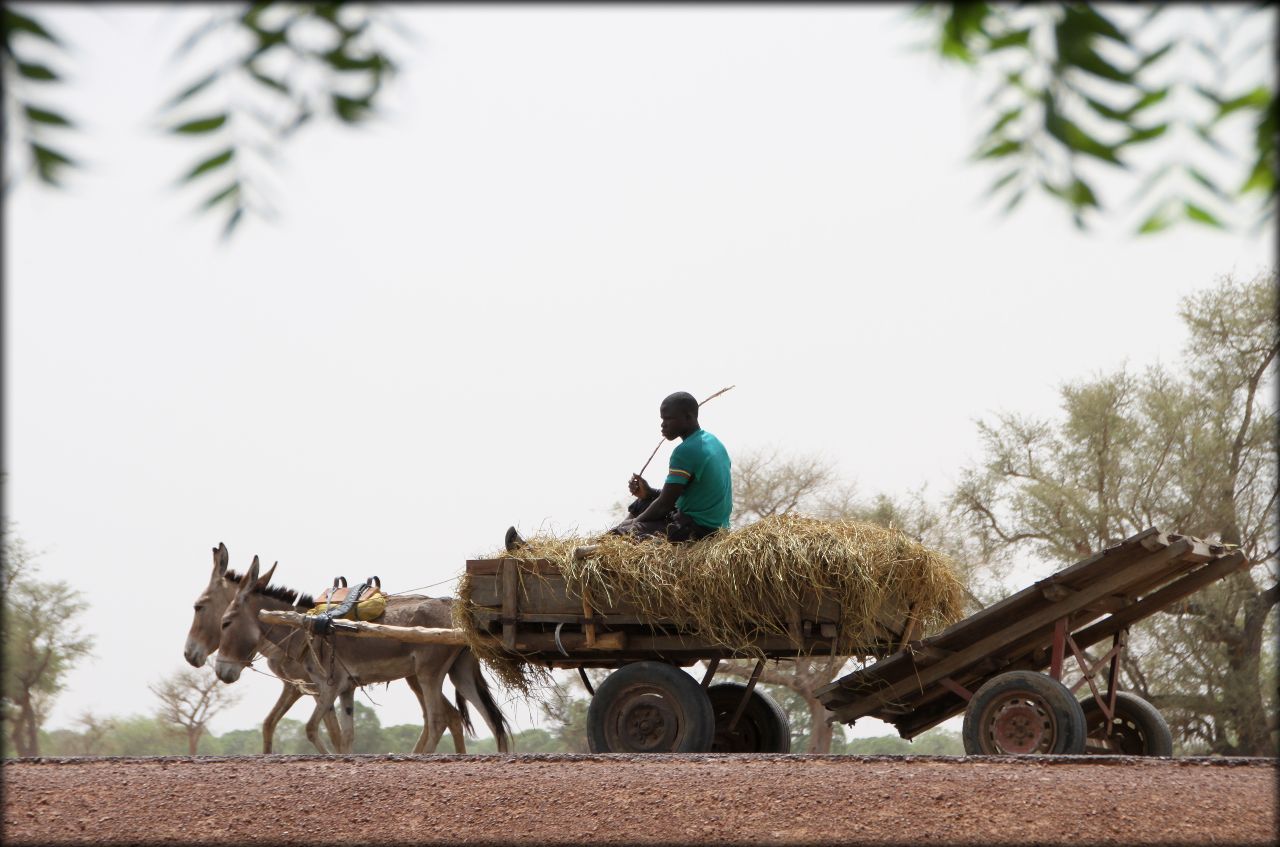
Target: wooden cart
[(991, 666), (1003, 665)]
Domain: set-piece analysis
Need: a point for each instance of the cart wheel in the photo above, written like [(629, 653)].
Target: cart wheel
[(1137, 730), (763, 727), (650, 707), (1023, 712)]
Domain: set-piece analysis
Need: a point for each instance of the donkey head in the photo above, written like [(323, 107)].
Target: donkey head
[(202, 638), (240, 628)]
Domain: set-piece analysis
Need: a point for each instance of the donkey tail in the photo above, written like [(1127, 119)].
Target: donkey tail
[(470, 679), (464, 712)]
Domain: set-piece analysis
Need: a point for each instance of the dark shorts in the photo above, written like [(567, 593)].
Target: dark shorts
[(676, 526)]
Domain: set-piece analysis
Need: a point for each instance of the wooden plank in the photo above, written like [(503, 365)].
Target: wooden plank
[(510, 600), (1045, 616), (1019, 606), (492, 567), (528, 642), (369, 629), (1162, 599)]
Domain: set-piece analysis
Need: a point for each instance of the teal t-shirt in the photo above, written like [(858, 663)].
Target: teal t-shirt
[(701, 464)]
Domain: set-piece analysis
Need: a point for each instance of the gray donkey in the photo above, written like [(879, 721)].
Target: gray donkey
[(206, 630), (335, 667)]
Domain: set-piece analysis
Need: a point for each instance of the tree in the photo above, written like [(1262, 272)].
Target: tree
[(189, 699), (1194, 453), (1078, 88), (41, 643), (94, 731)]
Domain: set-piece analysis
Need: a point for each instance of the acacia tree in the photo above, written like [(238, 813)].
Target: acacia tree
[(1193, 452), (189, 699), (41, 643)]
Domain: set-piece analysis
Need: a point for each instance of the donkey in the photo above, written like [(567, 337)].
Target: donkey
[(337, 668), (206, 629)]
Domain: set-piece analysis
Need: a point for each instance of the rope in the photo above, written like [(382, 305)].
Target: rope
[(422, 587)]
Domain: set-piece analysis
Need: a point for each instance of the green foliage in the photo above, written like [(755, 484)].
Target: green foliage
[(42, 642), (300, 60), (36, 128), (935, 742), (1081, 83)]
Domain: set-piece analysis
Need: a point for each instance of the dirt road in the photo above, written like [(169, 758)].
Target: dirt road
[(703, 799)]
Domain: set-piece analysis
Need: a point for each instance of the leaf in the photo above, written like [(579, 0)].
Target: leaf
[(999, 151), (1151, 58), (196, 35), (1151, 181), (232, 190), (1075, 138), (49, 163), (215, 161), (1095, 23), (1258, 98), (340, 61), (1148, 100), (1157, 221), (36, 73), (201, 125), (350, 109), (232, 221), (1262, 178), (1003, 181), (1017, 38), (15, 22), (192, 90), (1005, 119), (1141, 134), (1014, 201), (1201, 215), (44, 116), (269, 82), (1200, 177)]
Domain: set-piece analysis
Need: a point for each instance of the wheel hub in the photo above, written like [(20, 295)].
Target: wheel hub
[(1021, 726), (646, 723)]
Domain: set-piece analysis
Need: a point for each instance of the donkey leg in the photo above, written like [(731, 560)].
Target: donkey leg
[(440, 714), (288, 696), (334, 728), (470, 683), (347, 718), (324, 704), (453, 717)]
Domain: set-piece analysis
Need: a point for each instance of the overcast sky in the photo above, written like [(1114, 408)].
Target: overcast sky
[(468, 312)]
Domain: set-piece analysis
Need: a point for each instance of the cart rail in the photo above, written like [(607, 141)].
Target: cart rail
[(528, 608), (932, 679)]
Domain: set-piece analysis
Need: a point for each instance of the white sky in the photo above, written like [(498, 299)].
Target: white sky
[(469, 311)]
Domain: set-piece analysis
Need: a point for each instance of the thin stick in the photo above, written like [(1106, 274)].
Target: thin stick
[(700, 405)]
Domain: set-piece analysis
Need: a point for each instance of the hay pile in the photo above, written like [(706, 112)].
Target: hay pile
[(738, 585)]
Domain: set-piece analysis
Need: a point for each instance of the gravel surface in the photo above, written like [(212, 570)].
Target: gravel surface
[(698, 799)]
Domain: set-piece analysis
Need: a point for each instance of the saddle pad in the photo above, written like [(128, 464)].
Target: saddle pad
[(370, 607)]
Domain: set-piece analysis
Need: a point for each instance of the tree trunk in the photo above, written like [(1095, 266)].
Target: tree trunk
[(26, 739), (820, 731), (193, 739)]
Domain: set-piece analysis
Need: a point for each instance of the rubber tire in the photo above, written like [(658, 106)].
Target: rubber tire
[(1050, 699), (763, 727), (1143, 731), (645, 691)]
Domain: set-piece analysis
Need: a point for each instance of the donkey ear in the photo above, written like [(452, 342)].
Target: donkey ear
[(221, 559), (266, 578), (251, 576)]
